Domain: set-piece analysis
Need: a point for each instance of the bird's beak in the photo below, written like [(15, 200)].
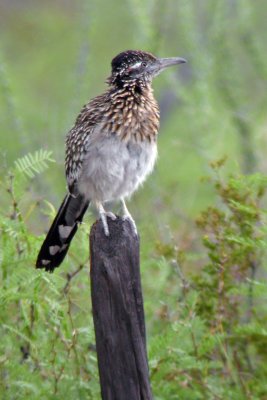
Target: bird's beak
[(162, 63)]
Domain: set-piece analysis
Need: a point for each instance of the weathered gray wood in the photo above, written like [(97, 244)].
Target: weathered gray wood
[(118, 312)]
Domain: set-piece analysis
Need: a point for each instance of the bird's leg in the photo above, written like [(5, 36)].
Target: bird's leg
[(103, 215), (126, 215)]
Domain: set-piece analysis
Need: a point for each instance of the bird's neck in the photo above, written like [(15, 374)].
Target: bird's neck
[(133, 112), (135, 87), (133, 96)]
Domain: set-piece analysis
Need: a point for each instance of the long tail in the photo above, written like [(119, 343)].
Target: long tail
[(64, 227)]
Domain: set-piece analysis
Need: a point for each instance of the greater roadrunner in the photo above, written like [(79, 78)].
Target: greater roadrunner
[(110, 150)]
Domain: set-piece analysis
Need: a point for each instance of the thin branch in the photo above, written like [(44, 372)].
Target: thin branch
[(70, 276)]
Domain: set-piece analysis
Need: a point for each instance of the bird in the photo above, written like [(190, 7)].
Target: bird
[(110, 150)]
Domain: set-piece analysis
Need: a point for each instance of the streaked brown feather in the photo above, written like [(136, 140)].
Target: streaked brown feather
[(128, 113)]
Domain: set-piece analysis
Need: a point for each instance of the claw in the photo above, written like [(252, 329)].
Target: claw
[(103, 215), (111, 215), (127, 216)]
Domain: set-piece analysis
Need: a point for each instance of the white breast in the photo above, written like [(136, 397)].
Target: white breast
[(113, 168)]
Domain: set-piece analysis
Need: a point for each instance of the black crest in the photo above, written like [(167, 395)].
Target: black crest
[(136, 68), (130, 57)]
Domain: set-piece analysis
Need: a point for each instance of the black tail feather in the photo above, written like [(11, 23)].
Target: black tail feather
[(64, 227)]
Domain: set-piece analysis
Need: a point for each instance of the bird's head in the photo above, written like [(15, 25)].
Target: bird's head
[(135, 66)]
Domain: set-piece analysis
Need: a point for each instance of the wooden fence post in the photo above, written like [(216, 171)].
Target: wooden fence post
[(118, 312)]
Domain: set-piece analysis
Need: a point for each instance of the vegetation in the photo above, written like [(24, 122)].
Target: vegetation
[(202, 222)]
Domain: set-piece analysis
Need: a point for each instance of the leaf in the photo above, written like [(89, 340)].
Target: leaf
[(33, 164)]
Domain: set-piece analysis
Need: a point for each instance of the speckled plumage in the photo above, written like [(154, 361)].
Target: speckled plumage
[(110, 150), (114, 116)]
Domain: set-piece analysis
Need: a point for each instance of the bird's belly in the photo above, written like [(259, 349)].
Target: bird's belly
[(113, 169)]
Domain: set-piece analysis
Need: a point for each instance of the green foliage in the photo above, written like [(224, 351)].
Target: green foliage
[(33, 164), (235, 237), (208, 339), (47, 341), (205, 304), (214, 342)]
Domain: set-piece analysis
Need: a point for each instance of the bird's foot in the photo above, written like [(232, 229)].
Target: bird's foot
[(127, 216), (111, 215), (103, 215)]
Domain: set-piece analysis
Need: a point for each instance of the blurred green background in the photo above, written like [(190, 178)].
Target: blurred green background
[(56, 55)]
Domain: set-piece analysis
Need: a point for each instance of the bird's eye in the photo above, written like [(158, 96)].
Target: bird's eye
[(144, 64)]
